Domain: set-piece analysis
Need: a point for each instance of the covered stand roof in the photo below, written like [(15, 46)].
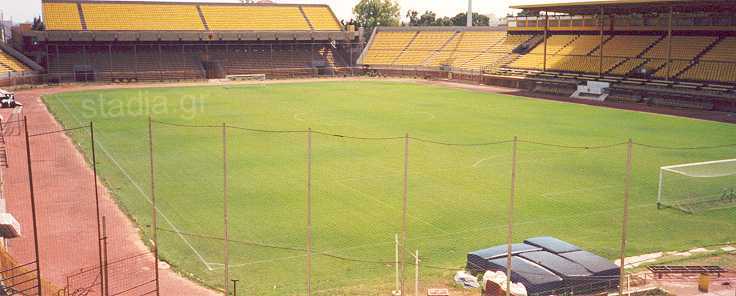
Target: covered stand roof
[(630, 6)]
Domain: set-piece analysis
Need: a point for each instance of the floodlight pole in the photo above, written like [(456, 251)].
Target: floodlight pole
[(510, 237), (624, 225), (470, 14)]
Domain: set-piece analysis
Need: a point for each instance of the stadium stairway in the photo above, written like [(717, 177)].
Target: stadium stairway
[(81, 16), (436, 52), (403, 50), (527, 46), (201, 17), (309, 22), (697, 58)]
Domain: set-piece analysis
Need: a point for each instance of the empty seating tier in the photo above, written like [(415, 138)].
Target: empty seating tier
[(138, 17), (685, 49), (321, 18), (468, 50), (9, 64), (168, 16), (62, 16), (261, 18)]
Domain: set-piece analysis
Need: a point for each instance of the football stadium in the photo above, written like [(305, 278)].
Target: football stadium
[(274, 148)]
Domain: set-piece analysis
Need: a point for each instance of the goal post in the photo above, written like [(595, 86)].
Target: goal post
[(697, 187)]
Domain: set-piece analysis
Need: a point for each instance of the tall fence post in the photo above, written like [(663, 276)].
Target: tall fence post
[(106, 261), (226, 254), (624, 224), (154, 214), (97, 199), (404, 213), (510, 238), (33, 206), (309, 212)]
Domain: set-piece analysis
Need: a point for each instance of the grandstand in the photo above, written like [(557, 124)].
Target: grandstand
[(669, 50), (157, 41), (469, 49)]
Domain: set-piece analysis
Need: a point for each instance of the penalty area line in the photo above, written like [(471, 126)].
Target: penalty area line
[(139, 189)]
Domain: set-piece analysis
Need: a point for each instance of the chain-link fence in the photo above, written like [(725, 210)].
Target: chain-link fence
[(75, 236), (296, 212), (311, 212)]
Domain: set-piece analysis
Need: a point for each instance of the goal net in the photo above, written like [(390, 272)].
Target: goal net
[(697, 187)]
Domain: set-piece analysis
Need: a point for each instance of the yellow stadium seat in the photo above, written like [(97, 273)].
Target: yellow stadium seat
[(10, 64), (258, 17), (138, 16), (61, 16), (321, 18)]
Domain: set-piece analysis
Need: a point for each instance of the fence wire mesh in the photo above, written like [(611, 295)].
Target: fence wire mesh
[(232, 204), (85, 244)]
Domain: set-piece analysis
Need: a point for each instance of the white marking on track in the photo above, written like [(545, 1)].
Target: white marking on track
[(138, 187)]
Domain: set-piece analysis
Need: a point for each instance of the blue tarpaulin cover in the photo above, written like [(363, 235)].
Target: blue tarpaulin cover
[(559, 265), (478, 260), (546, 263), (534, 277), (552, 244), (598, 265)]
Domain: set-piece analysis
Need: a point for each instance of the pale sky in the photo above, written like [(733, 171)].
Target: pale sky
[(25, 10)]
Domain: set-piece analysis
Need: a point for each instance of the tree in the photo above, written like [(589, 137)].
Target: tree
[(38, 24), (429, 18), (373, 13), (444, 21), (413, 17), (478, 19)]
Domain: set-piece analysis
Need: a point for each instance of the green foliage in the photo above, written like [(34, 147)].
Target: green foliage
[(429, 18), (373, 13)]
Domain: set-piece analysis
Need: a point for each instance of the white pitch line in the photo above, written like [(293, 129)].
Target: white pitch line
[(298, 116), (479, 162), (388, 206), (140, 190), (548, 194)]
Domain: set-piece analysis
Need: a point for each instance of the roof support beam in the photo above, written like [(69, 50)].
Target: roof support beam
[(600, 45), (669, 44), (546, 33)]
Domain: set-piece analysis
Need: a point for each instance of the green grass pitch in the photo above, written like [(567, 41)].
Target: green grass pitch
[(458, 196)]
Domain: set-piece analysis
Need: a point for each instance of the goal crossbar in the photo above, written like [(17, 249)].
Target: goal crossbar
[(691, 193), (673, 167)]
